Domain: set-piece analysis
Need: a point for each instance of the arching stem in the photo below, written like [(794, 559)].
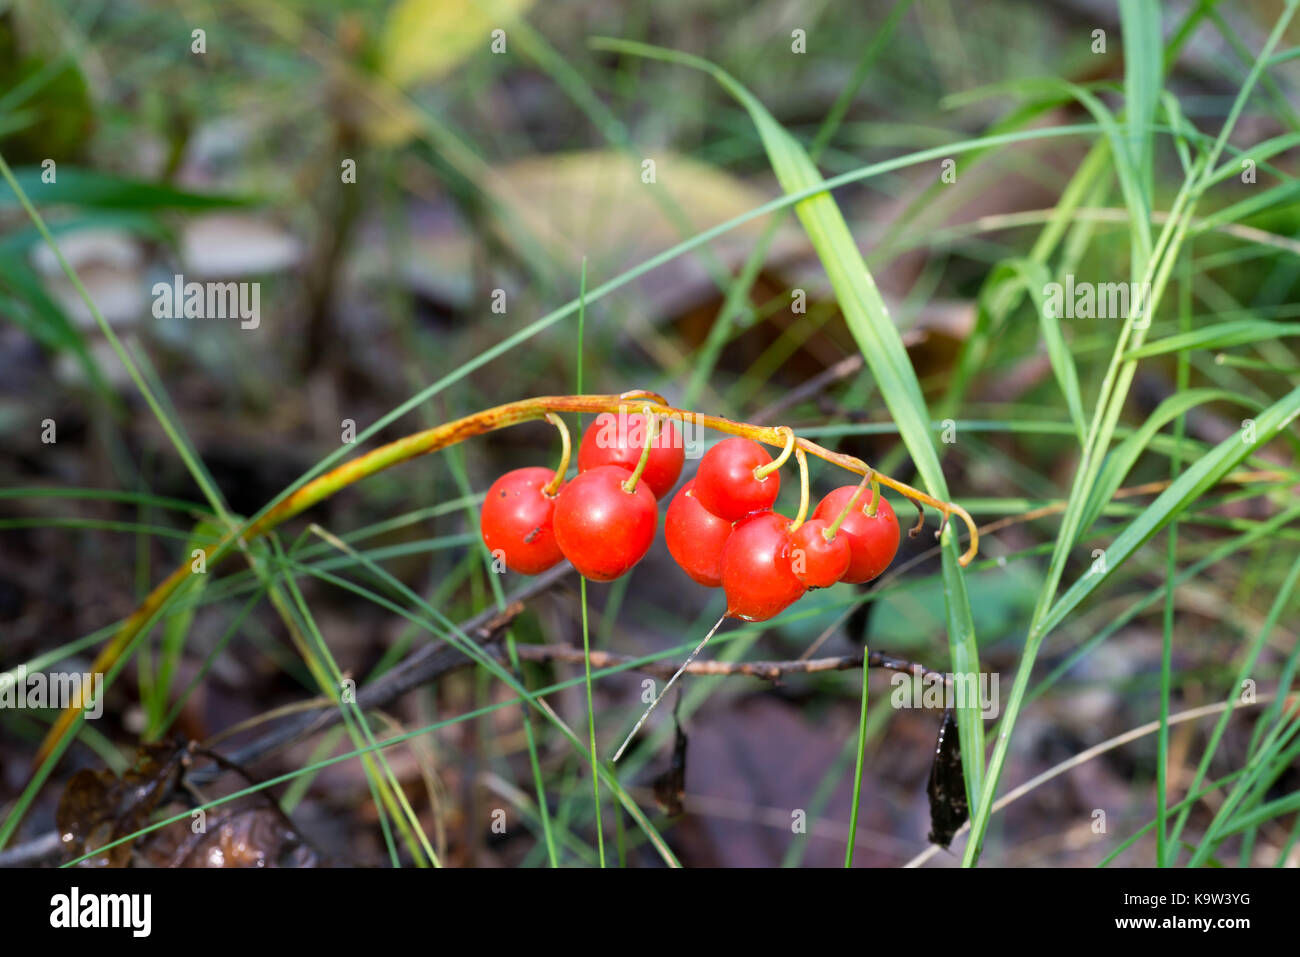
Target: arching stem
[(868, 478), (870, 510), (651, 427), (440, 437), (802, 459), (763, 471), (566, 443)]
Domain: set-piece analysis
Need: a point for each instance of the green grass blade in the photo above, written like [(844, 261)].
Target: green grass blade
[(1191, 485), (175, 630), (1221, 335), (877, 337), (83, 187), (1119, 463), (1259, 152), (1035, 278), (1143, 82), (859, 761)]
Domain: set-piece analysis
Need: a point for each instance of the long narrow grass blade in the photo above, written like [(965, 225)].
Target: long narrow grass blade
[(881, 345)]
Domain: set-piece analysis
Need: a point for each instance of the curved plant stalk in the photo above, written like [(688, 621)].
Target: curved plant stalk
[(552, 487), (441, 437), (651, 433), (802, 514)]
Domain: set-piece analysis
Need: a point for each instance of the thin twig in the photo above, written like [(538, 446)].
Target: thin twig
[(767, 670)]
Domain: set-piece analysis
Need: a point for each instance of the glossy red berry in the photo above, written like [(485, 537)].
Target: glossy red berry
[(725, 483), (602, 528), (756, 573), (517, 521), (619, 440), (695, 537), (873, 540), (817, 561)]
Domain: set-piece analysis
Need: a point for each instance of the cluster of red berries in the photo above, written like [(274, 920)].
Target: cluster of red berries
[(604, 520), (720, 526), (722, 531)]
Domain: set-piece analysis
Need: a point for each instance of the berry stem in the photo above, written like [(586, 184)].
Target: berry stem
[(915, 530), (651, 428), (802, 459), (566, 443), (763, 471), (874, 504), (848, 506)]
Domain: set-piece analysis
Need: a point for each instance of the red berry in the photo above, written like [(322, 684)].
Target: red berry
[(619, 440), (725, 482), (517, 521), (817, 561), (695, 537), (872, 539), (756, 573), (601, 528)]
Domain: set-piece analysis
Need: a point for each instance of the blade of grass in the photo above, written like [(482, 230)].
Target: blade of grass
[(388, 784), (859, 761), (1202, 475), (298, 620), (1281, 600), (591, 724), (1143, 82), (449, 631), (1114, 389), (738, 293), (586, 633), (1221, 335), (877, 337), (1171, 588), (1119, 463)]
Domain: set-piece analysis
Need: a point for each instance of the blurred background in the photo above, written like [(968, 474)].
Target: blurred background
[(409, 189)]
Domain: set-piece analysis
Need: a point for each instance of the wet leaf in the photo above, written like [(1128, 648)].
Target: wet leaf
[(947, 789), (97, 807), (253, 837)]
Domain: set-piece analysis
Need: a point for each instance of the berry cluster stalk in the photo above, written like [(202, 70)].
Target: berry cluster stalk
[(448, 434), (651, 430), (566, 443), (802, 514)]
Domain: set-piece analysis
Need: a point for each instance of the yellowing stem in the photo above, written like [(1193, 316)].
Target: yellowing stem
[(554, 484), (802, 458), (763, 471), (450, 433)]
